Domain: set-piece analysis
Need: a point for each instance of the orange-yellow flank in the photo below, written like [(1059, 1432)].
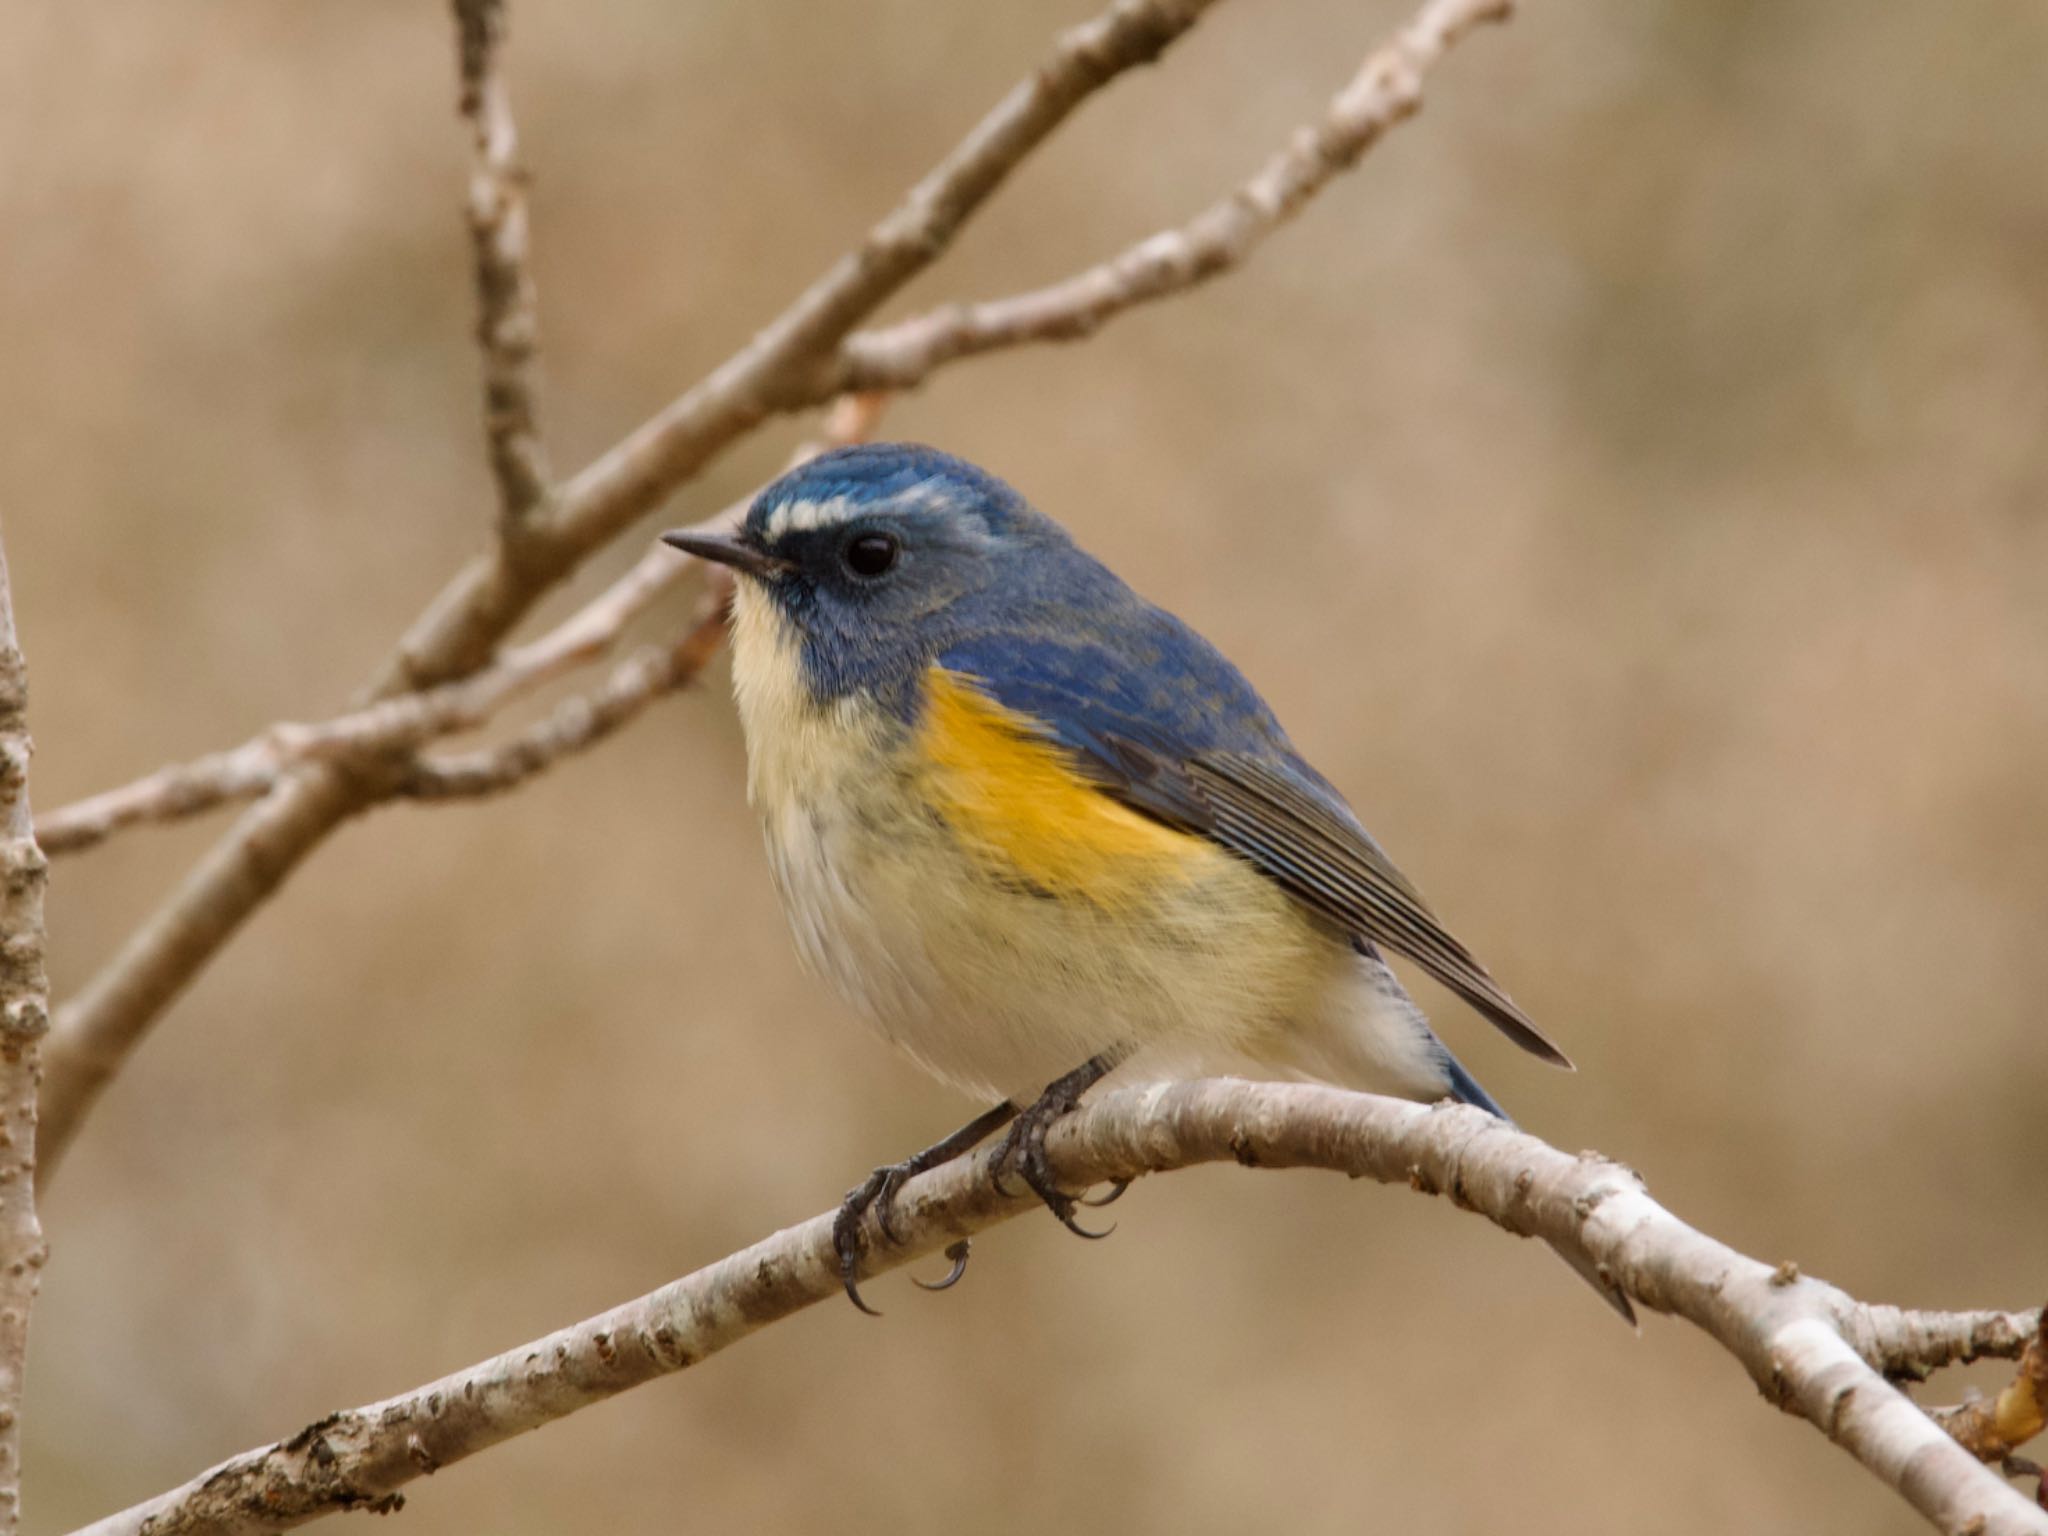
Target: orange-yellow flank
[(1016, 800)]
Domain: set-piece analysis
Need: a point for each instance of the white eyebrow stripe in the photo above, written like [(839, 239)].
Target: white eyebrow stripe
[(804, 516), (808, 516)]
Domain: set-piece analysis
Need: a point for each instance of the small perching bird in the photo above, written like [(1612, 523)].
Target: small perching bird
[(1035, 828)]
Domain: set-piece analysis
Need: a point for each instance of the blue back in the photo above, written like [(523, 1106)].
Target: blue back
[(994, 588)]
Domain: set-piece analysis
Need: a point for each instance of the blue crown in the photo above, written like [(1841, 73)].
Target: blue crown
[(880, 472)]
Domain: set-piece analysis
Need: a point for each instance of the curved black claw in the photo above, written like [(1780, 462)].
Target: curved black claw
[(846, 1230), (1116, 1193), (1022, 1149), (877, 1193), (957, 1252)]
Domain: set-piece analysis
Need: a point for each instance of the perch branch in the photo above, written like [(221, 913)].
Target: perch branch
[(24, 1017), (1813, 1350), (508, 310), (96, 1030), (1386, 90)]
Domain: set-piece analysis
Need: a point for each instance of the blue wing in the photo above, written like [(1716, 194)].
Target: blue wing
[(1155, 714)]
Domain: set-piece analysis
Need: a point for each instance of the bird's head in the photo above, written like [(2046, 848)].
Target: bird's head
[(874, 559)]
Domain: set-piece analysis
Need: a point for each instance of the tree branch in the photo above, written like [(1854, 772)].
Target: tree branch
[(582, 722), (312, 777), (1992, 1429), (24, 1017), (410, 720), (508, 311), (368, 753), (1386, 91), (1911, 1346), (1812, 1349), (394, 725), (777, 371)]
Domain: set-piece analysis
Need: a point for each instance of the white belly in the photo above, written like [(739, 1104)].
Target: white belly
[(999, 990)]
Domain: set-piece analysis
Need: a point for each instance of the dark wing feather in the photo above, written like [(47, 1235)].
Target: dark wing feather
[(1282, 825), (1185, 739)]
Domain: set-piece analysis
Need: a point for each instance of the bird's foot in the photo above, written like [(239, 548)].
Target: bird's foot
[(1022, 1149), (878, 1191)]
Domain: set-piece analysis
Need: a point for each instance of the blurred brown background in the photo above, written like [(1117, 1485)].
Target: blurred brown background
[(1629, 488)]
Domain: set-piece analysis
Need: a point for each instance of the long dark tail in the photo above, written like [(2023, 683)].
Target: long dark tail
[(1466, 1090)]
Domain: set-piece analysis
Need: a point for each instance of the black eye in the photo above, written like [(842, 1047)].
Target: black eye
[(870, 555)]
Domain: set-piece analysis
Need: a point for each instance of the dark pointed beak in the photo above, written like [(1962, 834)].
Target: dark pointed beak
[(742, 557)]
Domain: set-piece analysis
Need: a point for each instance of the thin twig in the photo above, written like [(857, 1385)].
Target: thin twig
[(1813, 1349), (1924, 1342), (508, 310), (411, 720), (98, 1028), (580, 723), (24, 1018), (393, 725), (778, 371), (1386, 90), (1993, 1428)]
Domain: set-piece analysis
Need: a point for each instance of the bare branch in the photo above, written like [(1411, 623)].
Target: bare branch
[(1812, 1349), (399, 725), (362, 757), (326, 772), (411, 720), (1386, 90), (508, 311), (1993, 1429), (24, 1018), (649, 674), (394, 725), (1909, 1346), (777, 371), (95, 1030), (580, 723)]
